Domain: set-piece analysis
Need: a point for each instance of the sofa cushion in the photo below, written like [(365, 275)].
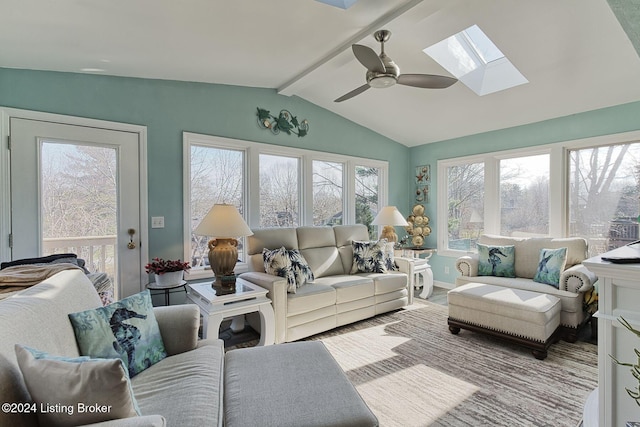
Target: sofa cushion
[(126, 329), (368, 257), (384, 283), (496, 260), (345, 234), (550, 266), (310, 297), (187, 388), (270, 238), (78, 390), (323, 261), (349, 287)]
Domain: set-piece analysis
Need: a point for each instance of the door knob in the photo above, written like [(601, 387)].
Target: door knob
[(131, 244)]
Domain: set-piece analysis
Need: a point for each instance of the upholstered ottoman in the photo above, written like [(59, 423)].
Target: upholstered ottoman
[(290, 385), (527, 318)]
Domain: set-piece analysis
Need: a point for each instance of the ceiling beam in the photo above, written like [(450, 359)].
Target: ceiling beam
[(290, 87)]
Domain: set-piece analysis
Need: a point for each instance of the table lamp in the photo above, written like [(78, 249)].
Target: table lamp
[(224, 224), (388, 217)]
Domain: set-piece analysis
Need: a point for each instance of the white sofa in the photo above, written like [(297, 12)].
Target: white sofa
[(335, 297), (574, 281)]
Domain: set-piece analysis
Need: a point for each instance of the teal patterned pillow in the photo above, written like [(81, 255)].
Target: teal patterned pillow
[(369, 257), (277, 263), (496, 260), (126, 329), (550, 266)]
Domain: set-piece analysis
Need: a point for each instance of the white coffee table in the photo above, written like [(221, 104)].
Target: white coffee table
[(247, 298)]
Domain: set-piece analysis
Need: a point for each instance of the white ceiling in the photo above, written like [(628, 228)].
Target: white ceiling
[(574, 53)]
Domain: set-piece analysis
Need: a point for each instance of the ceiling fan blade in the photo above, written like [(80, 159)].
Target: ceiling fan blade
[(426, 81), (368, 58), (353, 93)]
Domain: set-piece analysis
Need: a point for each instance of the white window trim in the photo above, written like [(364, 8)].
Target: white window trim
[(558, 183), (252, 152)]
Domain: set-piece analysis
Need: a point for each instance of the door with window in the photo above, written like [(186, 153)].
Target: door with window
[(77, 189)]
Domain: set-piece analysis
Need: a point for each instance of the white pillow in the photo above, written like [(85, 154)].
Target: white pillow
[(76, 391)]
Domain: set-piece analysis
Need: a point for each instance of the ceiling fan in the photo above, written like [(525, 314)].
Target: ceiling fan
[(383, 72)]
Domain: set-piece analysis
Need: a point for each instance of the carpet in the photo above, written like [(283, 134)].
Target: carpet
[(412, 371)]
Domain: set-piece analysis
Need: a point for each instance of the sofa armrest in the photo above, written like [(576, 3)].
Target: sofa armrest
[(577, 279), (277, 287), (467, 265), (178, 326), (141, 421), (405, 265)]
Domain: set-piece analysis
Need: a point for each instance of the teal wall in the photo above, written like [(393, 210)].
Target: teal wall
[(612, 120), (167, 108)]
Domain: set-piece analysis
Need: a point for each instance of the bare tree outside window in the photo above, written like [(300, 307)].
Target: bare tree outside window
[(604, 195), (279, 191), (524, 196), (465, 196), (367, 198), (328, 203), (216, 177), (79, 203)]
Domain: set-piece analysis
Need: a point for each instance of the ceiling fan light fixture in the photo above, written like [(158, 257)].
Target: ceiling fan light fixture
[(382, 82)]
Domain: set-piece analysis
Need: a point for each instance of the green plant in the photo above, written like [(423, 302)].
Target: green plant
[(635, 367), (161, 266)]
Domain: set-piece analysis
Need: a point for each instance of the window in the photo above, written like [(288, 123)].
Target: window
[(274, 187), (216, 177), (279, 191), (328, 202), (604, 191), (524, 196), (465, 196), (496, 193), (366, 196)]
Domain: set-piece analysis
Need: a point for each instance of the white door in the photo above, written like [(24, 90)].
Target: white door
[(76, 189)]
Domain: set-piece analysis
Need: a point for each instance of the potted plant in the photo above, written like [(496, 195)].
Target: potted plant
[(167, 272), (635, 367)]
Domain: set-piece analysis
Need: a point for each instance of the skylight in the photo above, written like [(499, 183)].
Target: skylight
[(476, 61), (342, 4)]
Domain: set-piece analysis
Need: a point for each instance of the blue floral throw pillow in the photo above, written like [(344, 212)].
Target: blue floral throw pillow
[(496, 260), (369, 257), (550, 266), (126, 329)]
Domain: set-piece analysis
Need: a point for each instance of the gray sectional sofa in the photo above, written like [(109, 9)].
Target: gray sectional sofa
[(336, 297)]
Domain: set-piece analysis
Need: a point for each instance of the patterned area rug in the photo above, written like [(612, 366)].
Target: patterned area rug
[(412, 371)]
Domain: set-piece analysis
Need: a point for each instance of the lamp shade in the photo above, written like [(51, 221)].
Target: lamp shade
[(223, 221), (389, 215)]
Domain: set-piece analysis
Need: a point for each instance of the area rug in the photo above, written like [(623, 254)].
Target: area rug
[(412, 371)]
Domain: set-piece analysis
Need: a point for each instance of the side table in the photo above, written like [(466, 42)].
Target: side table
[(421, 267), (247, 298), (168, 290)]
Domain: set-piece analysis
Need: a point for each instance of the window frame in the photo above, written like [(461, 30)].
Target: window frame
[(251, 188), (559, 170)]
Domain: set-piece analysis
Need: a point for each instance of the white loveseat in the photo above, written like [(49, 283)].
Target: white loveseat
[(575, 280), (335, 297)]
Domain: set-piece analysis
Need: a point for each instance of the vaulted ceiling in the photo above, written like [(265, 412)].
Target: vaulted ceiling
[(575, 53)]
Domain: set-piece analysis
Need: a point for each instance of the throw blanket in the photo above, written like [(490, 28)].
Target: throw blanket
[(20, 277)]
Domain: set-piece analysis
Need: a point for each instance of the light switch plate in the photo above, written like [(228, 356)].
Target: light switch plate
[(157, 222)]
